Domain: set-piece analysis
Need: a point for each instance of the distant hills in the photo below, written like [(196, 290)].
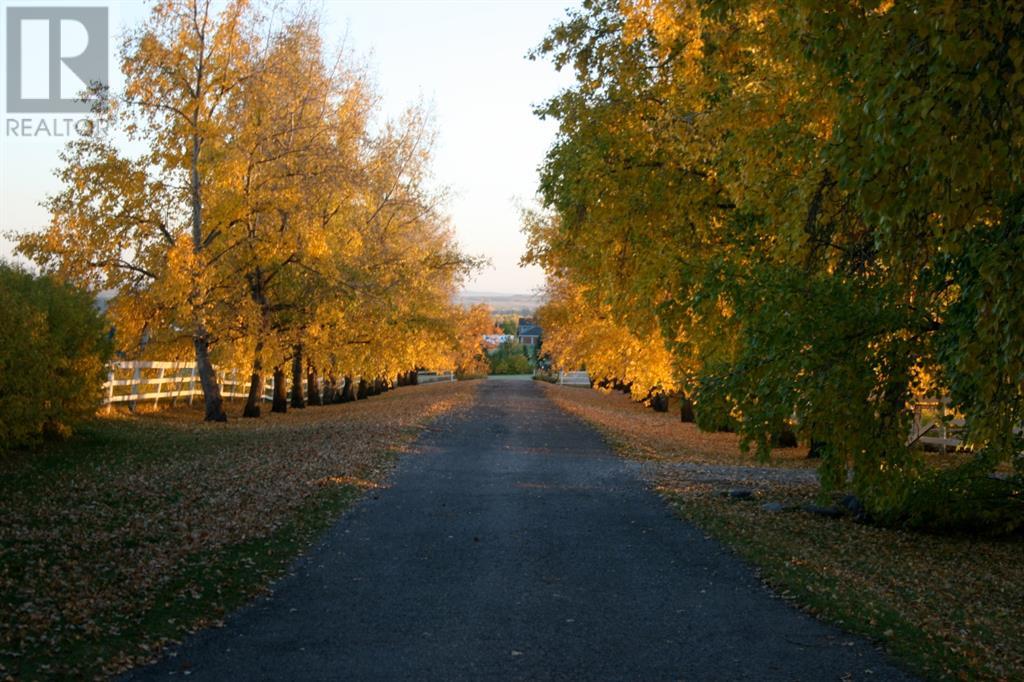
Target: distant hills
[(502, 304)]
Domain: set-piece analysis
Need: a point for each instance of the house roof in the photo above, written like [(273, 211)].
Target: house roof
[(527, 329)]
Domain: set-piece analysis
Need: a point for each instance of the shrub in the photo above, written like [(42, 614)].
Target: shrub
[(963, 499), (510, 358), (514, 364), (53, 350)]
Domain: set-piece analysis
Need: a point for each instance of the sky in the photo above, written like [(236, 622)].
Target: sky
[(464, 60)]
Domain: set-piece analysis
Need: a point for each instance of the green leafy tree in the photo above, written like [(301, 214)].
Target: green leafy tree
[(816, 206), (510, 358), (53, 349)]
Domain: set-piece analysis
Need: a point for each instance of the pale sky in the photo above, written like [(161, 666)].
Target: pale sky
[(465, 60)]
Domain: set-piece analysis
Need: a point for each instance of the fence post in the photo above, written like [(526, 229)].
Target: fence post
[(133, 387), (942, 421), (159, 387), (110, 389), (177, 384)]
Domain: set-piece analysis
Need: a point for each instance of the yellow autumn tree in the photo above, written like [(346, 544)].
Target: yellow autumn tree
[(269, 221), (816, 204)]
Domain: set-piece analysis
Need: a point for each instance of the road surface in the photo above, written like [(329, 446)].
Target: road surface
[(515, 545)]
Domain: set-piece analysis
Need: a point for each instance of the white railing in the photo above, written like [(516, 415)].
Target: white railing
[(133, 381), (155, 380), (432, 377), (574, 379), (933, 427)]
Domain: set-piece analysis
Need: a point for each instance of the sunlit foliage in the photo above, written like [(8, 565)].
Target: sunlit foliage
[(262, 216), (817, 205)]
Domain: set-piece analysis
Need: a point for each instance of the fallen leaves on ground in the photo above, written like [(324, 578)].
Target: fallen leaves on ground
[(642, 433), (94, 534), (951, 607)]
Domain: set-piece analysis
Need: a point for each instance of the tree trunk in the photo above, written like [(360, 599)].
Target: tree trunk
[(313, 396), (330, 389), (208, 378), (686, 410), (280, 403), (255, 398), (816, 449), (348, 391), (361, 392), (784, 439), (414, 378), (252, 401), (659, 402), (298, 400), (214, 405)]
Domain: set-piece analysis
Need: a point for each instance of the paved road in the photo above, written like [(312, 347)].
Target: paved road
[(515, 545)]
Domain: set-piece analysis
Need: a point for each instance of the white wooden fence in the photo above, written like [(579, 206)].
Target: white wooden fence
[(574, 379), (141, 380), (933, 427), (134, 381), (433, 377)]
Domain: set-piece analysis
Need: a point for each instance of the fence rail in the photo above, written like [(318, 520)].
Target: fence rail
[(134, 381), (140, 380), (574, 379), (433, 377), (935, 426)]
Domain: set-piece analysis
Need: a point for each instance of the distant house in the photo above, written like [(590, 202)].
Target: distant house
[(528, 332), (492, 341)]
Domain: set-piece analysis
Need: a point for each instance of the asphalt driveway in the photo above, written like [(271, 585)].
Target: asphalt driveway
[(515, 545)]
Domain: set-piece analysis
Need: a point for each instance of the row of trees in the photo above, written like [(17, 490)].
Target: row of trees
[(245, 205), (802, 214)]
